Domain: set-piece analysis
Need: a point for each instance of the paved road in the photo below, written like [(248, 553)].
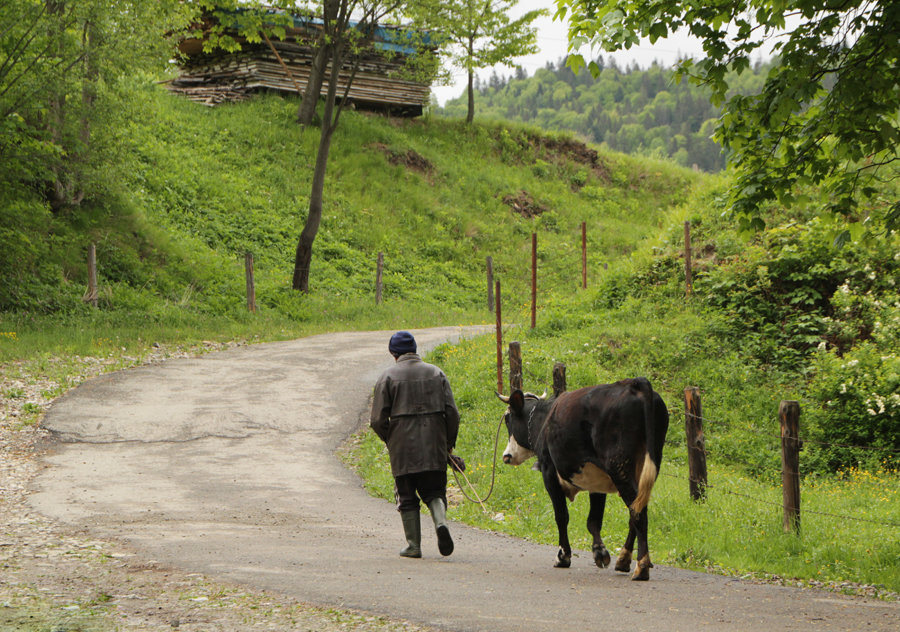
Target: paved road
[(225, 465)]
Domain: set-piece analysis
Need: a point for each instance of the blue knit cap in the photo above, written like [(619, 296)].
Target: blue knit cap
[(402, 342)]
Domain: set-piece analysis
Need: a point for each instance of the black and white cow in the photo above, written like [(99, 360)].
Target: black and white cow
[(601, 439)]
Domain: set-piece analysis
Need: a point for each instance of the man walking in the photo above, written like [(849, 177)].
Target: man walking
[(413, 412)]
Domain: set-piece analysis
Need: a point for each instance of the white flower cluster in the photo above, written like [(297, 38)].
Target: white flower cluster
[(878, 405)]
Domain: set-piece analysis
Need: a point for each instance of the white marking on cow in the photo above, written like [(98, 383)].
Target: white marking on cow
[(646, 479), (590, 479), (516, 453), (568, 489)]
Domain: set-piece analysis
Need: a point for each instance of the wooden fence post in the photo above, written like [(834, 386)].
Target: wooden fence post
[(584, 255), (92, 292), (789, 415), (515, 366), (499, 343), (379, 270), (490, 283), (251, 285), (696, 442), (559, 379), (688, 281), (533, 280)]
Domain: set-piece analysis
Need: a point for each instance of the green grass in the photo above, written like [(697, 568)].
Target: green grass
[(100, 333), (201, 186)]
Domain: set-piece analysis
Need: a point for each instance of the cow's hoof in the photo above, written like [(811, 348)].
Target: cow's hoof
[(563, 560), (601, 556), (623, 564), (642, 571)]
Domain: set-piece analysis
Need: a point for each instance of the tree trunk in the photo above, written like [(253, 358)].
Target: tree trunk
[(331, 12), (470, 115), (303, 255), (58, 190), (90, 39), (306, 115)]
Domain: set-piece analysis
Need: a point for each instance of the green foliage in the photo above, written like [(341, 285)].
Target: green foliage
[(856, 386), (856, 412), (782, 297), (61, 64), (478, 33), (827, 114), (228, 22), (793, 303), (644, 112)]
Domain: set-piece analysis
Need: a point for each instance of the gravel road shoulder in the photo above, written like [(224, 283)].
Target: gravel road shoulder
[(54, 578)]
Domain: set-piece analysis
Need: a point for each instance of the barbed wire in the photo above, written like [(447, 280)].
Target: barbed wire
[(704, 485), (543, 383), (548, 386), (802, 438), (849, 447)]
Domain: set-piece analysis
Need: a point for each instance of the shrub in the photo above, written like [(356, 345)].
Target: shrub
[(783, 295), (855, 417)]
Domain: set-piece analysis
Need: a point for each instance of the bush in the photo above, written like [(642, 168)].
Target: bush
[(856, 400), (795, 289)]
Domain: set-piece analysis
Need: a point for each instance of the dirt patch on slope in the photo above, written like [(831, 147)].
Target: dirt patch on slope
[(523, 204), (410, 159), (557, 150)]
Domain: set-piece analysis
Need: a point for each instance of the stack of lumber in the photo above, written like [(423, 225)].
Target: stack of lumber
[(217, 78)]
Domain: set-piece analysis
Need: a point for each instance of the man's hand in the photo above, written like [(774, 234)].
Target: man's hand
[(456, 462)]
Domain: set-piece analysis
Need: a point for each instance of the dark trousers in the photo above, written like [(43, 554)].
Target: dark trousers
[(409, 488)]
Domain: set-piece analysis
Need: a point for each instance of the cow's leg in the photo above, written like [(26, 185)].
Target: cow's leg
[(594, 524), (642, 570), (637, 527), (561, 512), (623, 564)]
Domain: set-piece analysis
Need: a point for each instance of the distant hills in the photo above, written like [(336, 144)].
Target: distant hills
[(632, 110)]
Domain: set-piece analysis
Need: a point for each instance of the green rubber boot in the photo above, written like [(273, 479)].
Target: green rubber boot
[(412, 528), (439, 515)]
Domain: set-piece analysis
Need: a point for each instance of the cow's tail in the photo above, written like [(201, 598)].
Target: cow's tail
[(650, 468)]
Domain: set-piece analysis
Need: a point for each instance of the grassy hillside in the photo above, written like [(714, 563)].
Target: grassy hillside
[(196, 188)]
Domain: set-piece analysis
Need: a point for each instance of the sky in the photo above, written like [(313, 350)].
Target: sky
[(553, 44)]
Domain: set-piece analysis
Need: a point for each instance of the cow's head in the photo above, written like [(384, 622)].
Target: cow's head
[(517, 418)]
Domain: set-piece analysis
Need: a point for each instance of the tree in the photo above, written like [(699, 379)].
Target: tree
[(479, 34), (59, 62), (222, 24), (345, 42), (347, 33), (826, 119)]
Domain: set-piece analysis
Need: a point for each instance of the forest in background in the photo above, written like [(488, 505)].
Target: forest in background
[(633, 110)]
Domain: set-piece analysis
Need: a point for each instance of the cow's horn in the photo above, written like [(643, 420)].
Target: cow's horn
[(503, 399)]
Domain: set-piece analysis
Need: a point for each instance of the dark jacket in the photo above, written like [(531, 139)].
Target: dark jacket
[(414, 414)]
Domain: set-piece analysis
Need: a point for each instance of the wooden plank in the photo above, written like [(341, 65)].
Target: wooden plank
[(232, 76)]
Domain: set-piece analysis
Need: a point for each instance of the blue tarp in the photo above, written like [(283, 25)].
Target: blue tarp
[(386, 37)]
